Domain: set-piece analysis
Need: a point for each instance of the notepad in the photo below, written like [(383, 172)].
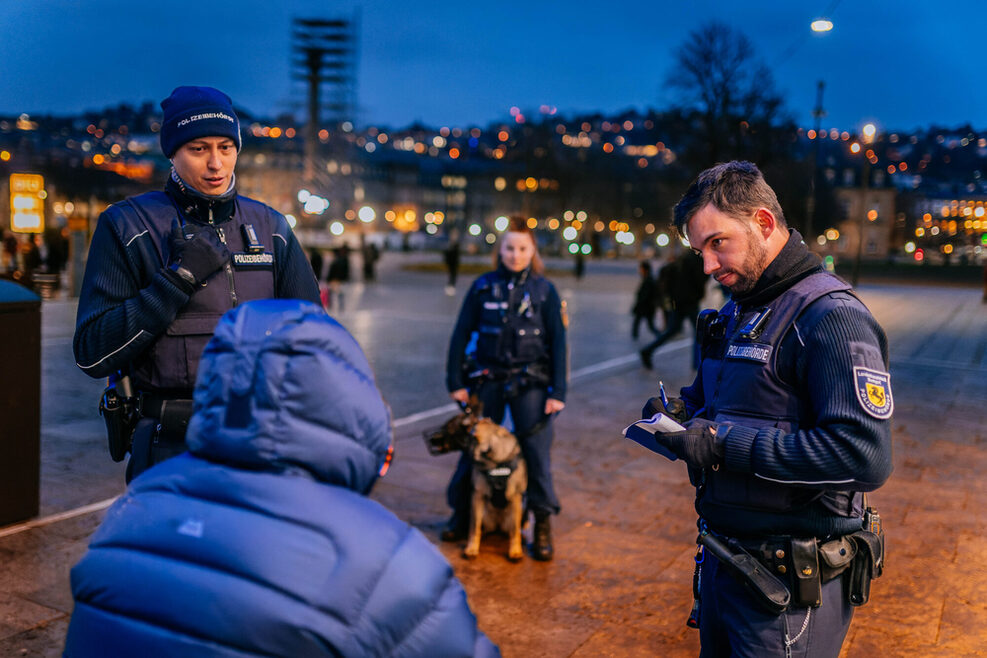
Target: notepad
[(643, 433)]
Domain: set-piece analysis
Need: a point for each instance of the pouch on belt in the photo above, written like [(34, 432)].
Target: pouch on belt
[(805, 563)]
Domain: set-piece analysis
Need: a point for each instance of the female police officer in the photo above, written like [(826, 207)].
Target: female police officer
[(520, 363)]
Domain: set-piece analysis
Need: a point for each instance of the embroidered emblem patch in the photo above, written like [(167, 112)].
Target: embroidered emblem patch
[(874, 392), (749, 352)]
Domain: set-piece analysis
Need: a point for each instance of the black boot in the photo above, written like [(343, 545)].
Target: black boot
[(541, 547), (456, 528)]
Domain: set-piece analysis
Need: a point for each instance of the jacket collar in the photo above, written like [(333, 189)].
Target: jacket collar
[(199, 207), (511, 276)]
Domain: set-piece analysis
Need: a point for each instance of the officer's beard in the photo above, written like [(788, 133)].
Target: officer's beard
[(753, 266)]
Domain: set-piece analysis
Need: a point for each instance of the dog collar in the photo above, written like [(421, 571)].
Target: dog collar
[(497, 477), (498, 474), (501, 469)]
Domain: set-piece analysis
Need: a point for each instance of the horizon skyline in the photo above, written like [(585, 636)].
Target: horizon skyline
[(900, 66), (501, 121)]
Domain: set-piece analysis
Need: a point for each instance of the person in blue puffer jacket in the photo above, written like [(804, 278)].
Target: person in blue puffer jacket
[(260, 541)]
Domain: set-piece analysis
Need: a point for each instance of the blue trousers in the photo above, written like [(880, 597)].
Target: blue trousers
[(732, 624), (527, 407)]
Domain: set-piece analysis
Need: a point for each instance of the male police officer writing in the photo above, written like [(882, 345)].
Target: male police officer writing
[(164, 266), (788, 422)]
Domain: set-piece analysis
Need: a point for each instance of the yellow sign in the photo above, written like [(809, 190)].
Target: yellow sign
[(27, 203)]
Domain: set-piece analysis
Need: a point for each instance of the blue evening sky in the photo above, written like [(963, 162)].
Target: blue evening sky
[(899, 63)]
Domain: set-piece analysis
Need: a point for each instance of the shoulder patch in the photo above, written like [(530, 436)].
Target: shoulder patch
[(874, 392)]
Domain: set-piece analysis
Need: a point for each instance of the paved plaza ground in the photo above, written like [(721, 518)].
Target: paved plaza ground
[(621, 581)]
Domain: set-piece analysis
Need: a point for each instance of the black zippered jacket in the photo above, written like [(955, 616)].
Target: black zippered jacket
[(135, 317)]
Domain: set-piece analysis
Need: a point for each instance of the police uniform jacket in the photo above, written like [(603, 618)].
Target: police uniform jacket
[(133, 317), (261, 541), (796, 373), (517, 321)]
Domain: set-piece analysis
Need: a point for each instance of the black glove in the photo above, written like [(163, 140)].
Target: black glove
[(675, 409), (194, 259), (701, 445)]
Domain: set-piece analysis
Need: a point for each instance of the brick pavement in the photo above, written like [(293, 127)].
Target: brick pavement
[(621, 582), (620, 585)]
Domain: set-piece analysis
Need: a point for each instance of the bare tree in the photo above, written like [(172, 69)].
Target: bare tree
[(728, 91)]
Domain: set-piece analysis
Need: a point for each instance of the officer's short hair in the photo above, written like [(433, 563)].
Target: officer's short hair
[(735, 188)]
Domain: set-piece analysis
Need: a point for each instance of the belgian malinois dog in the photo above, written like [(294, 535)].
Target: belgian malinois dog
[(500, 476)]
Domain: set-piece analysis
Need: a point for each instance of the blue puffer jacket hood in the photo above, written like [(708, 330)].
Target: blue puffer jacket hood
[(283, 386), (260, 540)]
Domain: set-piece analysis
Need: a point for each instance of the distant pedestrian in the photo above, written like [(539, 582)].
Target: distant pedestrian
[(57, 242), (31, 258), (645, 300), (685, 284), (339, 274), (370, 256), (579, 267), (663, 282), (9, 251), (261, 540), (315, 258), (451, 258)]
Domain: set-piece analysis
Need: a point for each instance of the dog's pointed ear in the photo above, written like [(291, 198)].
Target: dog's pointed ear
[(475, 406)]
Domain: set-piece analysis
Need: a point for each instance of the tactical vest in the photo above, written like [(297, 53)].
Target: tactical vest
[(172, 361), (511, 330), (741, 385)]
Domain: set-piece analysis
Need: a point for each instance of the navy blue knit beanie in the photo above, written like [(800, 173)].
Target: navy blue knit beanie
[(193, 112)]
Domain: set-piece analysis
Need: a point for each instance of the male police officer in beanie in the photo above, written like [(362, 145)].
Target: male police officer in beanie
[(787, 424), (163, 268)]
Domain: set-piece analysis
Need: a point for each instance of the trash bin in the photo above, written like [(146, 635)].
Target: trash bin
[(20, 402)]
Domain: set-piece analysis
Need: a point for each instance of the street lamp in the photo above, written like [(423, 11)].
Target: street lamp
[(820, 26), (810, 210), (868, 132)]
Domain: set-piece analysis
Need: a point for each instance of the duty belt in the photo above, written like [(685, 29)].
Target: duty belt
[(173, 414), (802, 564), (530, 373)]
